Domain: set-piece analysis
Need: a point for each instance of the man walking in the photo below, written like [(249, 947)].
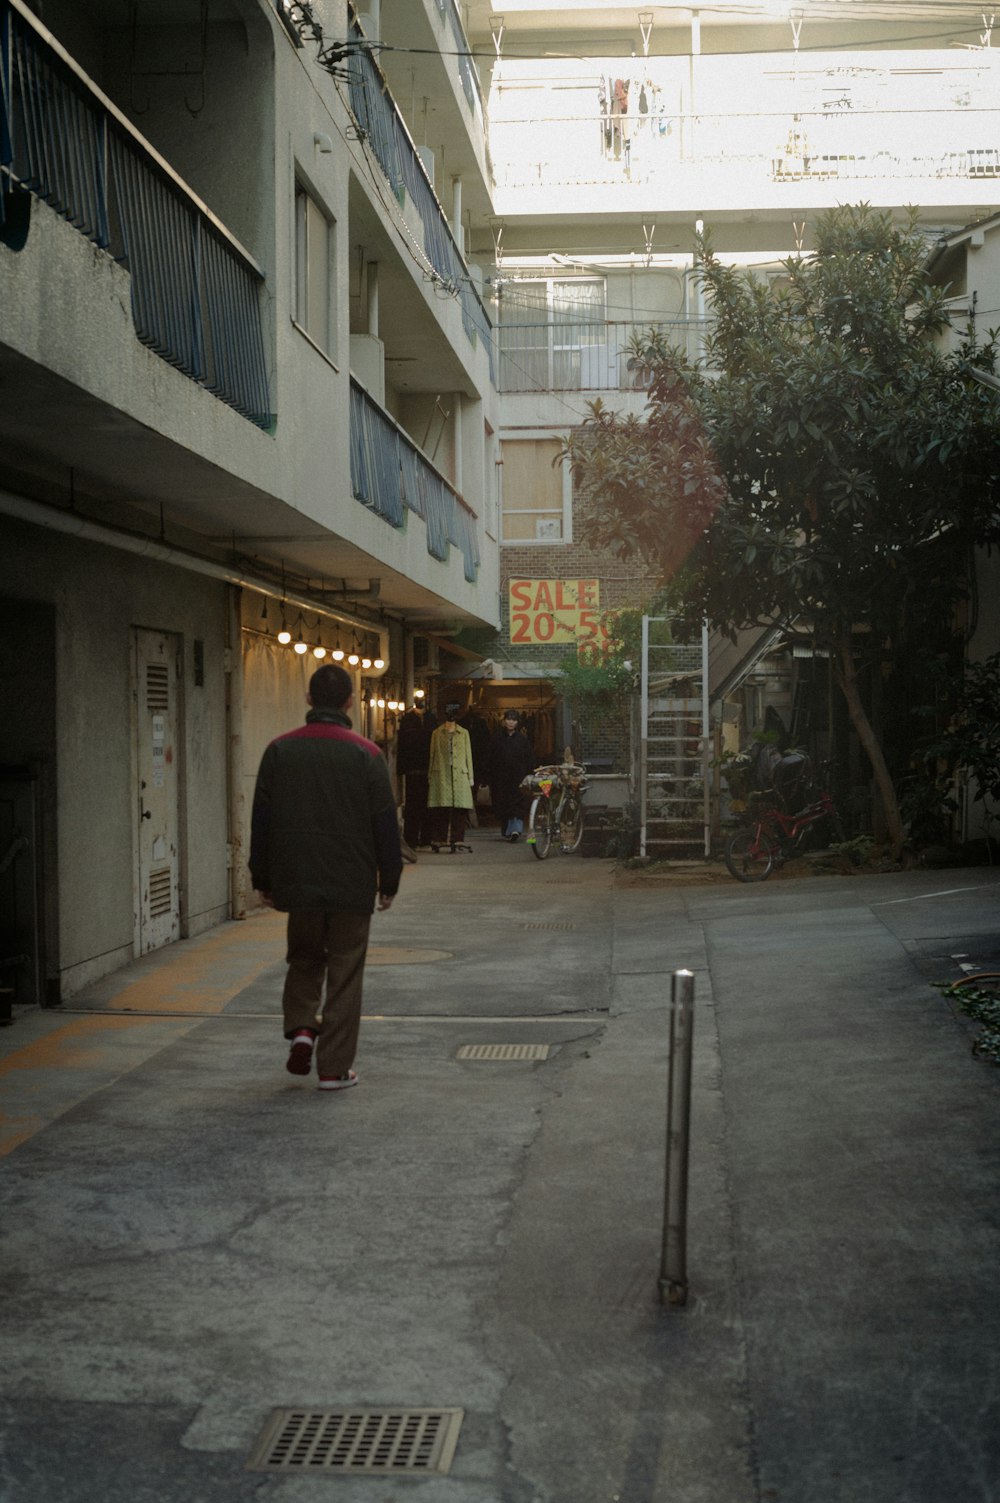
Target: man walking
[(324, 845)]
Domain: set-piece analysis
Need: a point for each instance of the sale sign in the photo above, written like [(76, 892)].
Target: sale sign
[(555, 610)]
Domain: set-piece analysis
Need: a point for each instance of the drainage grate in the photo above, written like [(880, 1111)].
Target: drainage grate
[(548, 926), (415, 1442), (503, 1051)]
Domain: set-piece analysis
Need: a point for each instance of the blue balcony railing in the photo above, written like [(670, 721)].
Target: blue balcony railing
[(391, 476), (195, 293), (384, 128), (467, 70)]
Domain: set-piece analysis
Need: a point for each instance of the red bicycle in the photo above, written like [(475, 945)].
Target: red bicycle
[(772, 837)]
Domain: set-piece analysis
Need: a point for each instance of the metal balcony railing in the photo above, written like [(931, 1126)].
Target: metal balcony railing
[(384, 129), (467, 70), (391, 476), (195, 292), (645, 161), (586, 356)]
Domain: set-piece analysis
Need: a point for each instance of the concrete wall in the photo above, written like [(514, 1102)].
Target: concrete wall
[(99, 596)]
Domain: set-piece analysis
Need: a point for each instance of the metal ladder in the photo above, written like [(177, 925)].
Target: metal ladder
[(673, 747)]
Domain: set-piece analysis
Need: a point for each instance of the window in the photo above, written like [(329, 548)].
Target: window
[(550, 331), (313, 245), (535, 492)]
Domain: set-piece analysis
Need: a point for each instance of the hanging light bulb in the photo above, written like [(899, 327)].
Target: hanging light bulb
[(381, 704), (319, 651), (284, 635), (338, 653), (301, 645), (371, 704), (353, 657), (418, 693), (366, 663)]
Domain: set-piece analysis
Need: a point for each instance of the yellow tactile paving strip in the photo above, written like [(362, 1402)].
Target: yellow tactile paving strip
[(206, 973), (199, 975), (66, 1059)]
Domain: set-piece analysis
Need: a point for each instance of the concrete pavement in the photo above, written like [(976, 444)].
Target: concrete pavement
[(192, 1237)]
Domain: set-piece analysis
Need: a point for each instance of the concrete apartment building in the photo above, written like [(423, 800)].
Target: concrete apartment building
[(247, 383), (618, 131), (296, 305)]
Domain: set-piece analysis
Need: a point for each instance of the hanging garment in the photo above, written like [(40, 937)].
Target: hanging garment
[(450, 774)]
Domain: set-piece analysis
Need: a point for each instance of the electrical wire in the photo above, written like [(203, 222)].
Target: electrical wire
[(926, 39)]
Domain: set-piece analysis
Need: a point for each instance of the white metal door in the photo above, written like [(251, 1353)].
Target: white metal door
[(155, 696)]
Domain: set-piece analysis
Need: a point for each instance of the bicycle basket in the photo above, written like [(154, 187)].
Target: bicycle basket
[(541, 780)]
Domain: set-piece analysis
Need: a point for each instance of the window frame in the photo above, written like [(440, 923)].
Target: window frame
[(539, 435), (325, 341)]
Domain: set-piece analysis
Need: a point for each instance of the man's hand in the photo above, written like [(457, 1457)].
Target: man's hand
[(267, 900), (383, 902)]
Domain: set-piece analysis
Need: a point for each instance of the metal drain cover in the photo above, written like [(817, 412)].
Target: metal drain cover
[(403, 1442), (503, 1051)]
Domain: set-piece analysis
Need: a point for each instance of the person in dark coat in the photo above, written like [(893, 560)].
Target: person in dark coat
[(511, 759), (324, 847), (413, 751)]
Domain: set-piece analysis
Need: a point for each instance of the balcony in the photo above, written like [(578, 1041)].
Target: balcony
[(381, 125), (585, 356), (195, 293), (391, 476), (736, 132)]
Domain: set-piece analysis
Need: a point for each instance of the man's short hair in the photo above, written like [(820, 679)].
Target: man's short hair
[(330, 687)]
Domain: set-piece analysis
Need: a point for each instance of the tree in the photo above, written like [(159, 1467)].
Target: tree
[(824, 463)]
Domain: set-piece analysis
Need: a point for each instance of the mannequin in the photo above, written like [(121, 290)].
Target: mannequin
[(450, 778)]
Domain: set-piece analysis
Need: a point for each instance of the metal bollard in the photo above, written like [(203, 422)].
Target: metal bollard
[(673, 1264)]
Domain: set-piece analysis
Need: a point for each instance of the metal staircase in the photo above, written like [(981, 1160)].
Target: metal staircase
[(673, 746)]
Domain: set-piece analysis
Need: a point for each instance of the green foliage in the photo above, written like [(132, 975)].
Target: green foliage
[(816, 463), (967, 744), (601, 682), (623, 833), (609, 679), (981, 1002), (858, 851)]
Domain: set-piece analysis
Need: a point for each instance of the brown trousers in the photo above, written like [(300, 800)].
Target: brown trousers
[(330, 945)]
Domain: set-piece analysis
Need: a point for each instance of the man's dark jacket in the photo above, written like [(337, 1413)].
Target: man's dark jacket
[(324, 833)]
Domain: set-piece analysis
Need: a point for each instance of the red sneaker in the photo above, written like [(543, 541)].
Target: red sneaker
[(338, 1082), (300, 1055)]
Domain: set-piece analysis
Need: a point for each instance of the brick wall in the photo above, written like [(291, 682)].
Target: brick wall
[(603, 733)]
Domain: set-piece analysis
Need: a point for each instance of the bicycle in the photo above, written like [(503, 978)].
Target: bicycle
[(773, 836), (556, 811)]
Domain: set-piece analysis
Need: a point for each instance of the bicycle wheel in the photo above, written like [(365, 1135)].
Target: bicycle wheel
[(540, 827), (750, 855), (571, 826)]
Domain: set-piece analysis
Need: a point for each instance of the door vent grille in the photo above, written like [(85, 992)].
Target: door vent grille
[(157, 687), (503, 1051), (414, 1442), (160, 893), (549, 926)]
